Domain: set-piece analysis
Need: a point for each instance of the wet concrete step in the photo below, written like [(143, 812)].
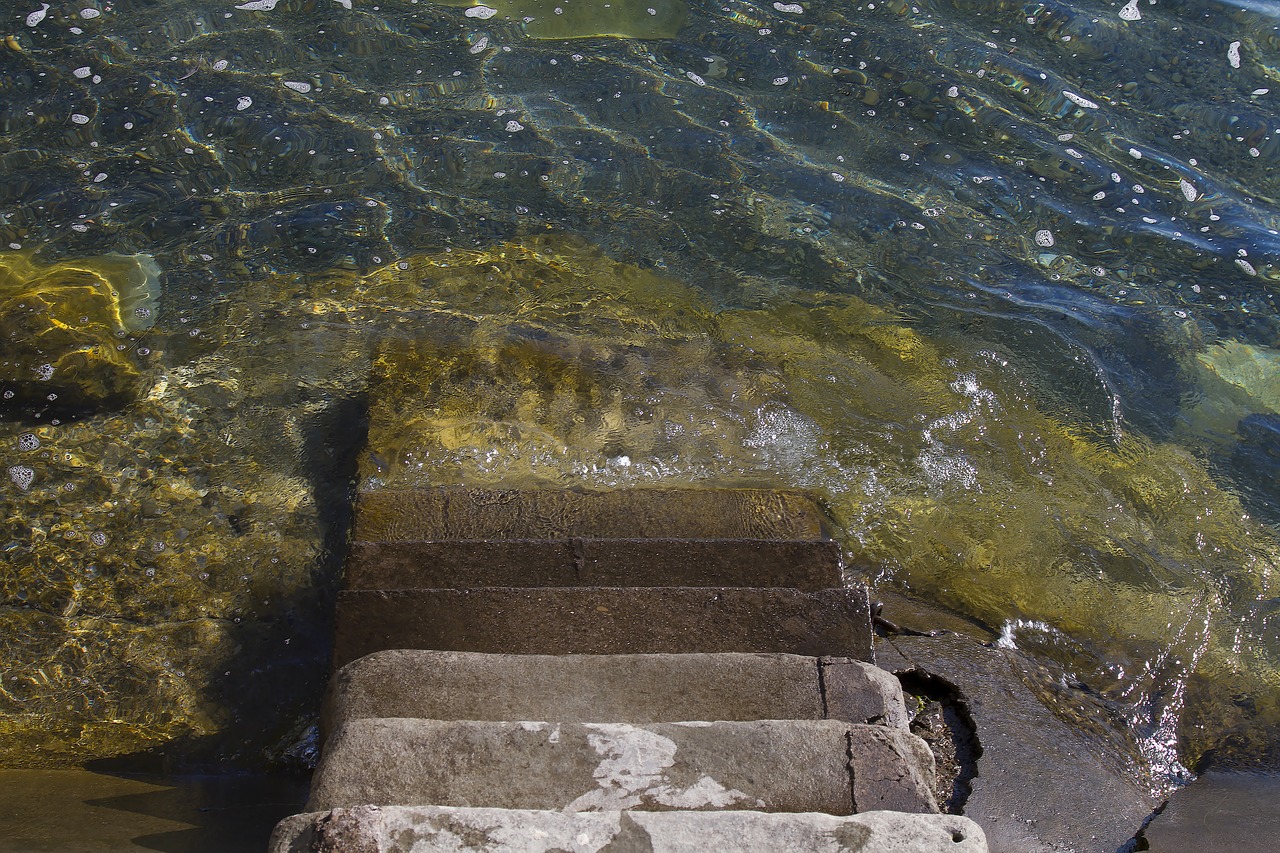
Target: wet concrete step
[(389, 515), (422, 564), (764, 765), (632, 688), (426, 829), (604, 620)]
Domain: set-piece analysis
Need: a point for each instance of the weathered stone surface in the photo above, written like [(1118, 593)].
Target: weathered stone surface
[(862, 693), (426, 829), (766, 765), (481, 514), (1221, 811), (1042, 785), (891, 770), (811, 564), (577, 688), (592, 620)]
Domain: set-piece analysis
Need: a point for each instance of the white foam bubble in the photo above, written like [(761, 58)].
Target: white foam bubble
[(1130, 11), (38, 16), (1079, 101), (481, 12), (1188, 189), (1233, 54), (297, 87), (22, 476), (1044, 237)]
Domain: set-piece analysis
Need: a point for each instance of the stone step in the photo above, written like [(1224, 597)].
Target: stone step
[(632, 688), (604, 620), (434, 829), (389, 515), (764, 765), (459, 564)]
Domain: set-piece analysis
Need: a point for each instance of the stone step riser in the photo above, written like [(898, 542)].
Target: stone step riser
[(766, 765), (626, 688), (428, 829), (460, 564), (602, 620), (480, 514)]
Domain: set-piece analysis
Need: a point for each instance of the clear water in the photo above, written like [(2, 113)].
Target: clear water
[(996, 279)]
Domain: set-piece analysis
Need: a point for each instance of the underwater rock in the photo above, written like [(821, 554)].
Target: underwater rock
[(571, 19), (65, 328), (1249, 372)]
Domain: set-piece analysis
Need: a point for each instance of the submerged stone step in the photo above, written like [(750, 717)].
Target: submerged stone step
[(428, 829), (764, 765), (604, 620), (421, 564), (388, 515), (630, 688)]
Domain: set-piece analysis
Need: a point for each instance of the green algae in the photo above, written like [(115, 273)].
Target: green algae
[(573, 19), (63, 324)]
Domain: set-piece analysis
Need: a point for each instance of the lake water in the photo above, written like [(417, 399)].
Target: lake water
[(997, 280)]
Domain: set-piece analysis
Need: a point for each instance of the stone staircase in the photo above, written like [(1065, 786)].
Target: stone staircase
[(538, 670)]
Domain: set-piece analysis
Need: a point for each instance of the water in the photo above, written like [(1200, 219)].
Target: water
[(997, 280)]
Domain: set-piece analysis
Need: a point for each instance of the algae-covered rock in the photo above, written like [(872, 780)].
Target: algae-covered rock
[(569, 19), (1250, 373), (66, 327)]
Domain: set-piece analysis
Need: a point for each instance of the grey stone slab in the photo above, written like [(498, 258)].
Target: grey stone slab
[(1041, 784), (435, 829), (891, 770), (1226, 812), (480, 514), (599, 620), (860, 692), (576, 688), (413, 564), (766, 765)]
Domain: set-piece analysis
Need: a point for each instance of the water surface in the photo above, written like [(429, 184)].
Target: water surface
[(996, 280)]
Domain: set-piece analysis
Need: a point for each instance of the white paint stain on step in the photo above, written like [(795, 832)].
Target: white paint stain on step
[(634, 771)]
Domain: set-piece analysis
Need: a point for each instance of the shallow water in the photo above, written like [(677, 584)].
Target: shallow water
[(996, 280)]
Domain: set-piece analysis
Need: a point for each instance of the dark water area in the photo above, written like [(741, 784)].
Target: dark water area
[(996, 280), (76, 811)]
